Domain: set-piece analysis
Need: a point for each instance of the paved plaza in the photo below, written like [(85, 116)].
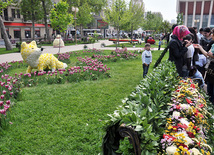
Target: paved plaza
[(49, 49)]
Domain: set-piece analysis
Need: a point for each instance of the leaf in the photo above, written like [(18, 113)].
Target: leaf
[(139, 128)]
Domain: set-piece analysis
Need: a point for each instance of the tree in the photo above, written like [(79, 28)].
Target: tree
[(117, 15), (180, 19), (47, 6), (60, 18), (8, 44), (165, 27), (153, 21), (86, 10), (136, 16), (31, 10), (84, 16)]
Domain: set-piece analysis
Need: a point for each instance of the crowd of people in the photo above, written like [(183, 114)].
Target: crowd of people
[(193, 54)]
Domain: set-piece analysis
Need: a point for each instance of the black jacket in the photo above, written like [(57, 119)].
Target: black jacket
[(176, 53), (204, 42)]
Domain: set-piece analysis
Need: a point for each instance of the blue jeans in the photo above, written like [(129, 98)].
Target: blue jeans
[(145, 70), (210, 91)]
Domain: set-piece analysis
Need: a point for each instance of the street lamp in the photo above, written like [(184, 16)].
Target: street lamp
[(75, 10), (196, 22)]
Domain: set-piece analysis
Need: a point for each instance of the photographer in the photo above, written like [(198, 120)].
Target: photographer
[(176, 47)]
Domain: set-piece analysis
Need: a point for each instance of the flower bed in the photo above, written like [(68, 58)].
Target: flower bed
[(187, 127), (124, 40), (146, 110)]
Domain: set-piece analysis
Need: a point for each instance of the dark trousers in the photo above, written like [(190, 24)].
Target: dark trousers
[(145, 70), (201, 69), (210, 91), (159, 46)]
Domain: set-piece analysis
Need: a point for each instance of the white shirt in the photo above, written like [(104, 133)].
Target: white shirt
[(202, 60), (199, 36), (189, 54), (146, 57)]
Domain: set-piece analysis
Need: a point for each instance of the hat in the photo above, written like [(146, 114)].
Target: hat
[(207, 29)]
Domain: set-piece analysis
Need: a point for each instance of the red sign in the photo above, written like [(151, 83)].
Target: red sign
[(101, 24), (24, 24)]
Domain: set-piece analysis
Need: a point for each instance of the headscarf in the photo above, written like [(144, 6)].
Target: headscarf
[(180, 31)]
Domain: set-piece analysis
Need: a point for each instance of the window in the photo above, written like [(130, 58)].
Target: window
[(205, 20), (27, 33), (184, 16), (5, 14), (13, 13), (37, 32), (197, 21), (17, 32), (18, 13), (189, 21)]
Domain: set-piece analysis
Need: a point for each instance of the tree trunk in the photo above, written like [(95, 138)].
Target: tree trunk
[(33, 21), (117, 37), (81, 31), (45, 18), (7, 42), (33, 25), (131, 33)]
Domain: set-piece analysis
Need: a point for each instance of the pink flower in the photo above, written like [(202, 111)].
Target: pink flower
[(9, 88), (1, 103), (2, 111), (8, 102), (4, 92), (2, 97), (11, 93), (6, 86), (6, 107)]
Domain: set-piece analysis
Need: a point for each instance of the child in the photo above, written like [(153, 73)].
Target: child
[(195, 74), (146, 59), (159, 44)]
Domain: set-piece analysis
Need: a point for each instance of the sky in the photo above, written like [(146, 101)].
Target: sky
[(166, 7)]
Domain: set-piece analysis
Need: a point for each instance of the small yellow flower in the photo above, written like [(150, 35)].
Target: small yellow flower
[(181, 147), (202, 151)]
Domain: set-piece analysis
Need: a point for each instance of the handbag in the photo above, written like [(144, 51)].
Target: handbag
[(210, 73)]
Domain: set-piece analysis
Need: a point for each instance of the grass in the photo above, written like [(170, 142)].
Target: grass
[(4, 51), (68, 118)]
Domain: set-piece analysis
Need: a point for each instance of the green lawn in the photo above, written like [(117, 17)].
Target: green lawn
[(4, 51), (68, 118)]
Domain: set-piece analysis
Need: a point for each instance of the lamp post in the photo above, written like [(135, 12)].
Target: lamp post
[(196, 22), (75, 9)]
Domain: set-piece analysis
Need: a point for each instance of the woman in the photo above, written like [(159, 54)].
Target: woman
[(177, 49), (210, 72)]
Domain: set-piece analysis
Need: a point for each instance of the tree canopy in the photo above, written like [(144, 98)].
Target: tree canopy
[(153, 21), (60, 18)]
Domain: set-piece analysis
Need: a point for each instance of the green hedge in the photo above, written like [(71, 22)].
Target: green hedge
[(145, 109)]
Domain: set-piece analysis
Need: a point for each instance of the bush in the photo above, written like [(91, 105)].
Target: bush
[(145, 110)]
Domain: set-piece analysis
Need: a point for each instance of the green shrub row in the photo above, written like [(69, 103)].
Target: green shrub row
[(145, 110)]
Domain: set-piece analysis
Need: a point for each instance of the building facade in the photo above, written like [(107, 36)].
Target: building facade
[(199, 13), (17, 28)]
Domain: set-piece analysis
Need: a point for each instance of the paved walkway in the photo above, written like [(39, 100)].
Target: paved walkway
[(49, 49)]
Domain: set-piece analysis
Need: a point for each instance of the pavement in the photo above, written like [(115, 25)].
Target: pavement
[(49, 49)]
